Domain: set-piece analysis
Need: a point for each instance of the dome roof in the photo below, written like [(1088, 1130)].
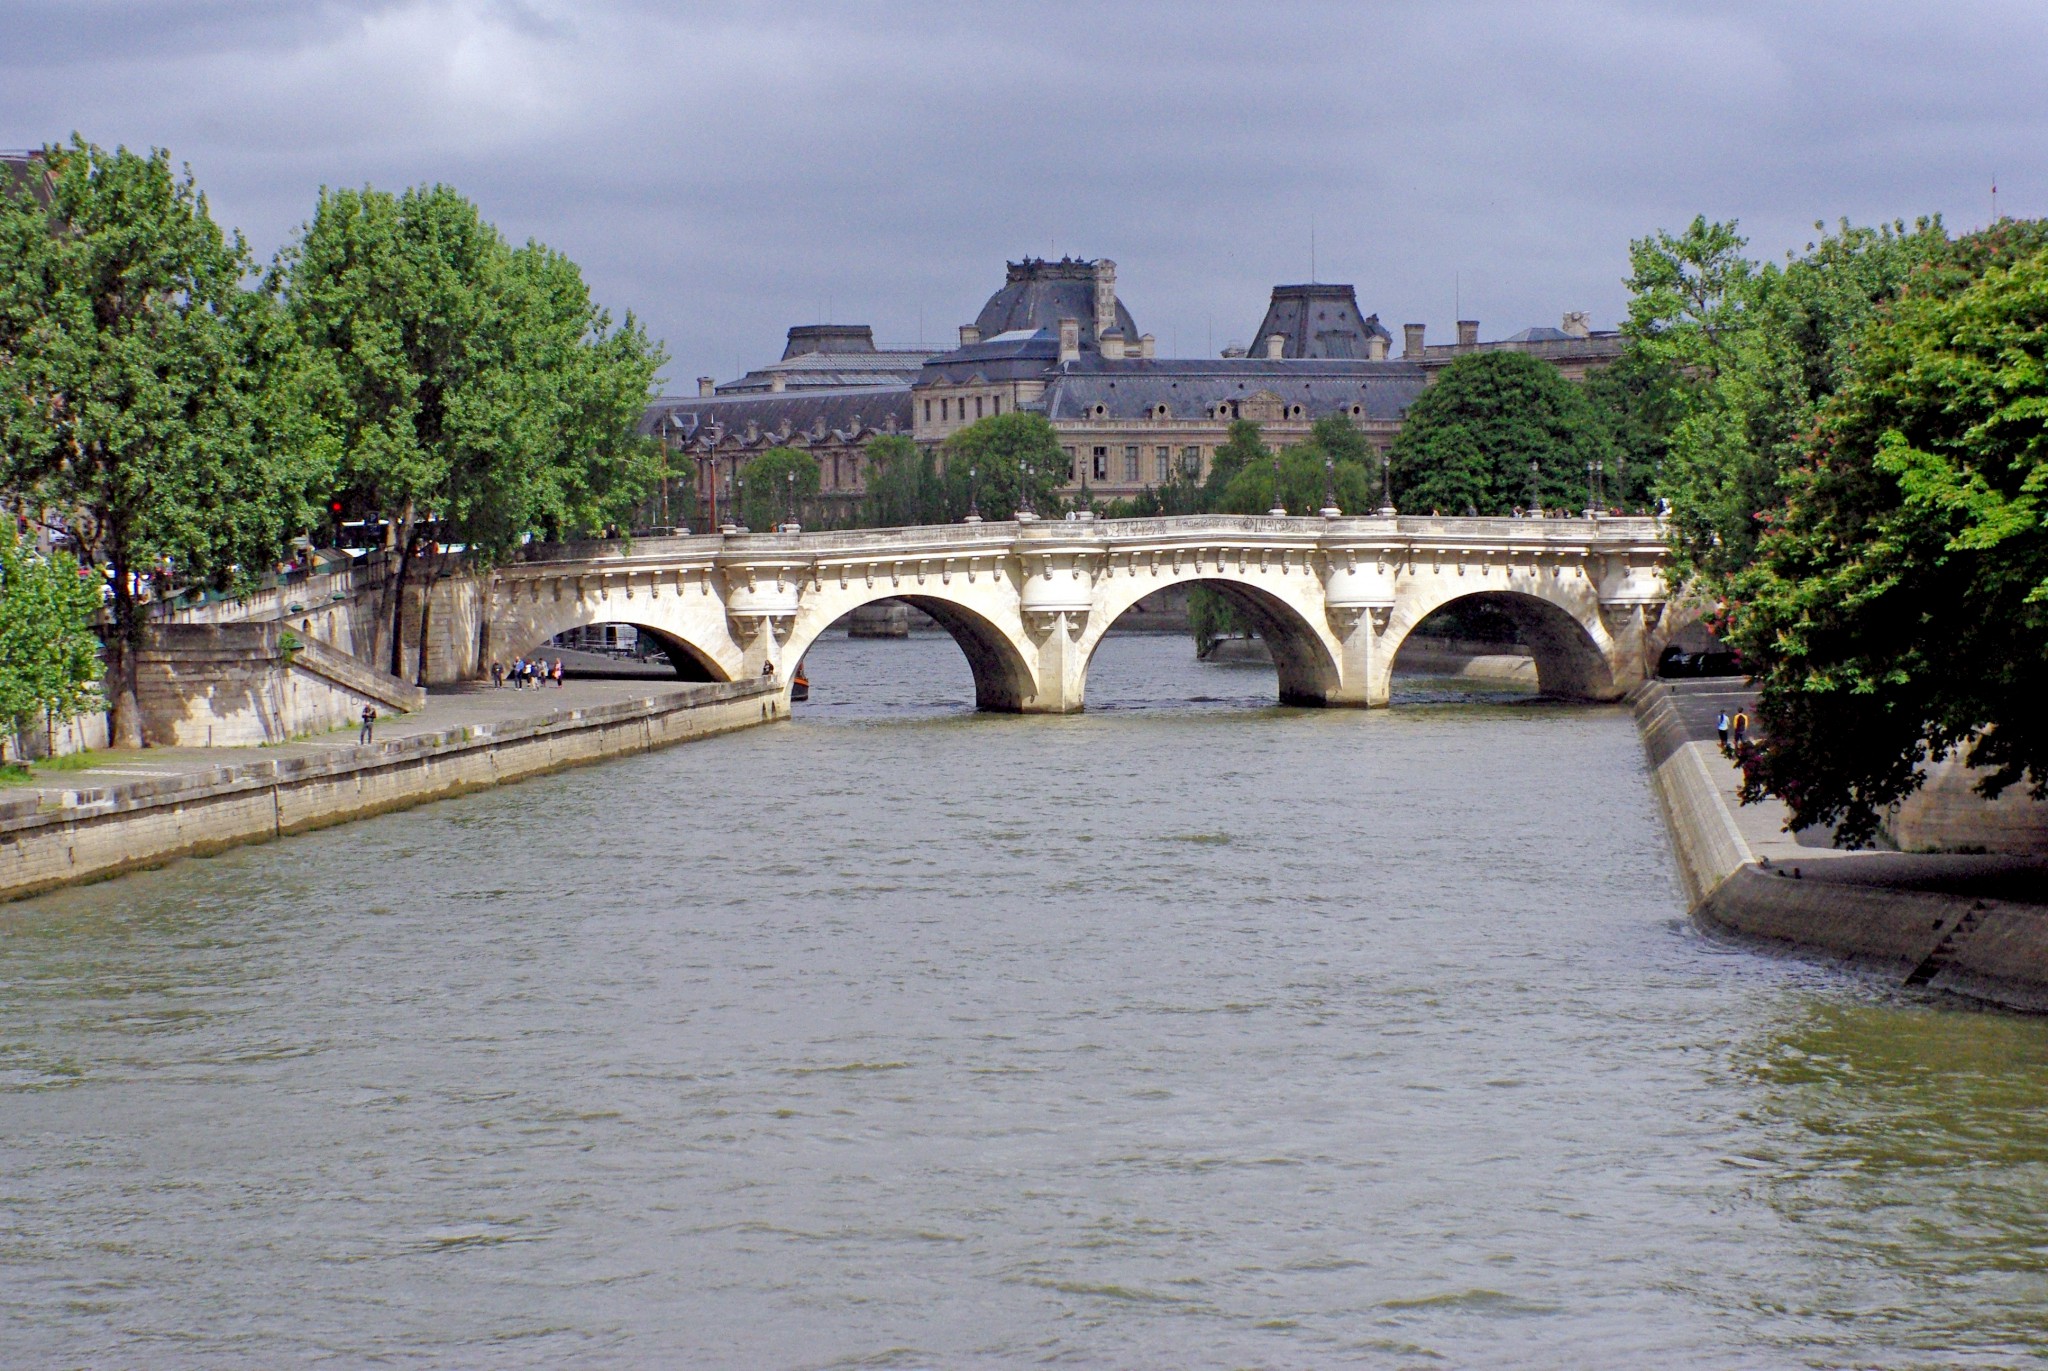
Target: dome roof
[(1037, 294)]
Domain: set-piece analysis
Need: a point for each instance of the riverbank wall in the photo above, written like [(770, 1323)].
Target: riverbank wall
[(1974, 925), (86, 834)]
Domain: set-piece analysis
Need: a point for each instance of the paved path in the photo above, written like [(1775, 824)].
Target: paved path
[(1810, 853), (447, 707)]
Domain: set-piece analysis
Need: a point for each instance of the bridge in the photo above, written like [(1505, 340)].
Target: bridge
[(1029, 600)]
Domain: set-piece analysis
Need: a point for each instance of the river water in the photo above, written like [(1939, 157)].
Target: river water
[(1186, 1032)]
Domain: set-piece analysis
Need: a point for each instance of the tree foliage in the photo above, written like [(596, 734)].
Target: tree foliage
[(903, 486), (1750, 353), (774, 486), (149, 399), (1896, 605), (1467, 443), (480, 394), (1009, 456), (49, 654)]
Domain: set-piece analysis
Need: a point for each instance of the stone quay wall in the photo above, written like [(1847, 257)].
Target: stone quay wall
[(96, 833), (1973, 925)]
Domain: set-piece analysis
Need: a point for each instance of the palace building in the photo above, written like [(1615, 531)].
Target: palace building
[(1055, 340)]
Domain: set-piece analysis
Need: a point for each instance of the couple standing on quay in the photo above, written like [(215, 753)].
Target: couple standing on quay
[(524, 673)]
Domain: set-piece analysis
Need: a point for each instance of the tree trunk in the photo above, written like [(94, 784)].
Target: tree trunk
[(433, 575), (406, 548), (129, 635)]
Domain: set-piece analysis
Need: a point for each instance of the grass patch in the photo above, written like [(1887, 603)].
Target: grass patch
[(14, 773), (70, 761)]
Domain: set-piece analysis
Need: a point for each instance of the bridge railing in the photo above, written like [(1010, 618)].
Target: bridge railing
[(1535, 532)]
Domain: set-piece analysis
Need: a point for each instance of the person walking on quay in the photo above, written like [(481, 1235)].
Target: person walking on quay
[(558, 673), (1741, 728), (1721, 727), (498, 675), (369, 723)]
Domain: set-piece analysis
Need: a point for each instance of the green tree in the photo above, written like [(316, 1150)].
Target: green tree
[(1008, 455), (1467, 442), (902, 484), (49, 654), (480, 395), (776, 485), (1896, 607), (148, 397), (1243, 446), (1752, 352), (1307, 476)]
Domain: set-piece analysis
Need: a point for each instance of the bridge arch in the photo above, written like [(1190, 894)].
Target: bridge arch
[(1284, 609), (1003, 678), (694, 642), (1572, 648)]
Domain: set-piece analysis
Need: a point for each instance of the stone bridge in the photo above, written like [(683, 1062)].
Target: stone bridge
[(1028, 601)]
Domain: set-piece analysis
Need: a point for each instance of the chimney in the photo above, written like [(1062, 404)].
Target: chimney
[(1070, 340), (1105, 296), (1375, 348), (1112, 341), (778, 383), (1145, 345), (969, 335), (707, 385), (1276, 345), (1411, 340), (1468, 333), (1577, 323)]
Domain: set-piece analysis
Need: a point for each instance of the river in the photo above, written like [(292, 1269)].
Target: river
[(1188, 1031)]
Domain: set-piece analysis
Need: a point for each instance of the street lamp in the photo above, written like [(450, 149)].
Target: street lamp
[(1278, 510), (973, 496), (1024, 511), (1386, 486), (1535, 489), (789, 501), (1330, 510), (739, 508)]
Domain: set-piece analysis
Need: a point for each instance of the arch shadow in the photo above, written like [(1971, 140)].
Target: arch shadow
[(691, 662), (1003, 681), (1570, 665), (1306, 673)]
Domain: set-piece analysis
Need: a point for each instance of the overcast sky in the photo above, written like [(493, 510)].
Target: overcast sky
[(726, 171)]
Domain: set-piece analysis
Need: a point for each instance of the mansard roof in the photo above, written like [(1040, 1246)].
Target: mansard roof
[(1192, 388), (765, 419), (1317, 321), (1020, 355), (1037, 294)]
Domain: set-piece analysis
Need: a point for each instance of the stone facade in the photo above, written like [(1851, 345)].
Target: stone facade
[(1056, 340)]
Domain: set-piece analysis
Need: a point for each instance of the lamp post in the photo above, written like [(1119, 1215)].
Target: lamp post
[(1535, 489), (973, 496), (1386, 486), (739, 507), (1330, 510), (1279, 509), (789, 503), (1024, 511)]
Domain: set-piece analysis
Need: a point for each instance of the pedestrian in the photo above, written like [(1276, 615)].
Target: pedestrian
[(369, 723), (1741, 728), (1721, 727), (558, 673), (498, 675)]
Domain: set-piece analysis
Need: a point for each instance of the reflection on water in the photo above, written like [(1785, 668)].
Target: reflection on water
[(1189, 1031)]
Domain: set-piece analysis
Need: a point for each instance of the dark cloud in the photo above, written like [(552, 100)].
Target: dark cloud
[(728, 171)]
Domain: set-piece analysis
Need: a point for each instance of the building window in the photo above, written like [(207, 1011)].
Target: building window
[(927, 411), (1162, 461), (1131, 463), (1100, 467), (977, 406), (1191, 461), (998, 403), (1073, 465)]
